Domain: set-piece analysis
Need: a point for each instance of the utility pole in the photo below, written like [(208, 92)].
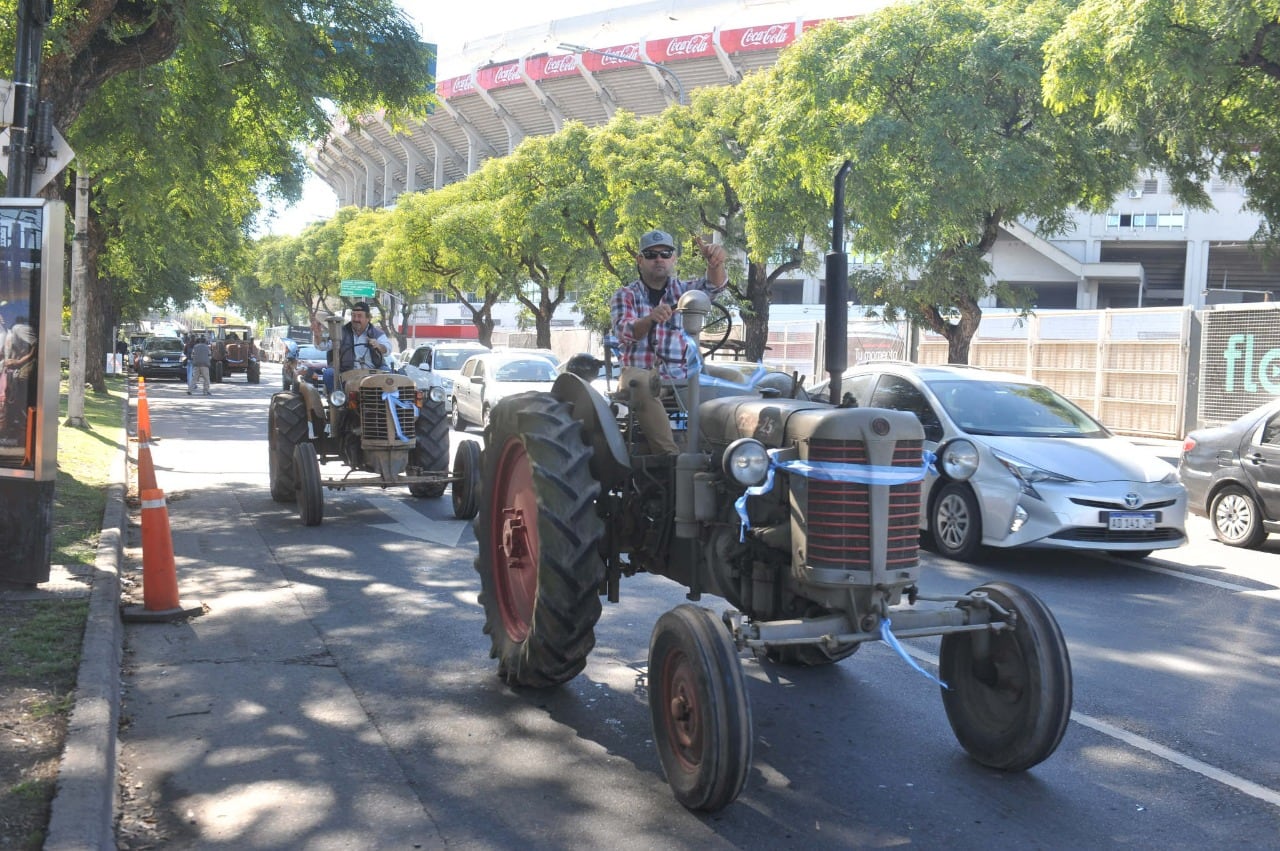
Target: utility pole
[(30, 117)]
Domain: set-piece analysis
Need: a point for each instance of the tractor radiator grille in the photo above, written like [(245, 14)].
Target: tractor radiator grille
[(839, 513), (376, 412)]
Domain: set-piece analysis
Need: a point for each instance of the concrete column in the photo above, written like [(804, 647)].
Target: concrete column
[(1196, 277)]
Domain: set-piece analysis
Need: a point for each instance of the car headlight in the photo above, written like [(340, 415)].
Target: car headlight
[(958, 460), (338, 398), (1029, 475), (746, 461), (1171, 479), (436, 394)]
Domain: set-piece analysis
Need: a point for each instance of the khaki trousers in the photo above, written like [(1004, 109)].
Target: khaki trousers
[(648, 409)]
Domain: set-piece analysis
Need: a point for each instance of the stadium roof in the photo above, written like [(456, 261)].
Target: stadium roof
[(497, 90)]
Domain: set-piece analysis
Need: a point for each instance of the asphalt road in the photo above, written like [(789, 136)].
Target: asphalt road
[(403, 736)]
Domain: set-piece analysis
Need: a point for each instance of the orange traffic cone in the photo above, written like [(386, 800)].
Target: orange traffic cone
[(146, 469), (159, 577), (144, 414)]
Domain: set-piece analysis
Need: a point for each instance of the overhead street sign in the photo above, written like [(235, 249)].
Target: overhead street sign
[(357, 289)]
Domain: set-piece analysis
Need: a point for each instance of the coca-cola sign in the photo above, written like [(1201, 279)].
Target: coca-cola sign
[(612, 57), (772, 37), (681, 47), (497, 76), (446, 89)]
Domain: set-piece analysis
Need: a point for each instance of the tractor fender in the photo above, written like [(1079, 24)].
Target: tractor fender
[(609, 462), (311, 397)]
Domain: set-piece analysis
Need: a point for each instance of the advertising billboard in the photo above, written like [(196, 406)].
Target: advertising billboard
[(31, 254)]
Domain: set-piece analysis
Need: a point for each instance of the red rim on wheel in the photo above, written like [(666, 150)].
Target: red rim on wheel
[(515, 540), (679, 697)]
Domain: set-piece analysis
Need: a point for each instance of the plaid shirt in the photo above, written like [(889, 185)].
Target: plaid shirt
[(665, 346)]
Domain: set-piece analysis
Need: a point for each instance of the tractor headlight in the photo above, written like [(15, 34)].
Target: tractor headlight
[(436, 394), (746, 461), (338, 398), (958, 460)]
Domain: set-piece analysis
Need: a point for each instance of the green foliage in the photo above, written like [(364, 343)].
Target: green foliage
[(1196, 84), (937, 107)]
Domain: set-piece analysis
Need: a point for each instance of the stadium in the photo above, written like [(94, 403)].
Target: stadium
[(1146, 251)]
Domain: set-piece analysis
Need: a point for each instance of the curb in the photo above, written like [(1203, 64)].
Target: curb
[(83, 810)]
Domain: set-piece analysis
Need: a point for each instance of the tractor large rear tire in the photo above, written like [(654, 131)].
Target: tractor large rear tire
[(538, 532), (1009, 707), (430, 451), (286, 428)]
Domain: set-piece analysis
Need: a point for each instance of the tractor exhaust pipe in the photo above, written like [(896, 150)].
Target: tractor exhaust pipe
[(837, 333)]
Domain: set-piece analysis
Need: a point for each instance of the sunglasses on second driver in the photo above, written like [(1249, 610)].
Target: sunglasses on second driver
[(655, 253)]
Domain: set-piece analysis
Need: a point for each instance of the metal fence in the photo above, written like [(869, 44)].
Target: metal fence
[(1128, 368)]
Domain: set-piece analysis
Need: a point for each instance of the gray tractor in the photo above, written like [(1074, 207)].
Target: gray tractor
[(377, 424), (802, 515)]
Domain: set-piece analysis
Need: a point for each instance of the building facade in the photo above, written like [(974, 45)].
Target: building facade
[(1147, 250)]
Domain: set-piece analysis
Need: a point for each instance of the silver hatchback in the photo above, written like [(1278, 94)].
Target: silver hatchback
[(1019, 465)]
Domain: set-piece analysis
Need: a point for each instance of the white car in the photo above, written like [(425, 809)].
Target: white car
[(438, 364), (1019, 465), (486, 379)]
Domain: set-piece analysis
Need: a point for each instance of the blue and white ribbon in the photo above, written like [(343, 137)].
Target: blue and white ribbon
[(393, 400), (828, 471), (887, 636)]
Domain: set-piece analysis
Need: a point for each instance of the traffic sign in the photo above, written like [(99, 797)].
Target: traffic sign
[(357, 289)]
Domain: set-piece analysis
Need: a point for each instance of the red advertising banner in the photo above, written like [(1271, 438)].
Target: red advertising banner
[(551, 67), (613, 57), (763, 37), (499, 76), (681, 47)]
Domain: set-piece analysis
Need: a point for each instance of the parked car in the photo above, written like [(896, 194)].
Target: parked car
[(1019, 465), (1232, 476), (161, 357), (305, 361), (487, 378), (439, 363)]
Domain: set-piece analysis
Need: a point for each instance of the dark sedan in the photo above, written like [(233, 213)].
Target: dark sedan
[(1232, 476), (161, 357)]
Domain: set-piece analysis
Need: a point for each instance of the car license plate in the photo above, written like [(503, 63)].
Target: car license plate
[(1128, 521)]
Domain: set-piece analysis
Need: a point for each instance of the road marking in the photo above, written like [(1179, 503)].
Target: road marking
[(1226, 778), (406, 521), (1265, 593)]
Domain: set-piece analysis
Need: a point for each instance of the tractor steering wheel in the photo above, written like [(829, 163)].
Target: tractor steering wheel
[(715, 331)]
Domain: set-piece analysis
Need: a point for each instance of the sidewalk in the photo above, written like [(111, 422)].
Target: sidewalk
[(235, 728)]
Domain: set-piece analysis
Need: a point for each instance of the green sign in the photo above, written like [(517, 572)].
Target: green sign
[(357, 289)]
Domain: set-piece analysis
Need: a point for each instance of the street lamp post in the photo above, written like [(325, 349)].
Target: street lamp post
[(675, 79)]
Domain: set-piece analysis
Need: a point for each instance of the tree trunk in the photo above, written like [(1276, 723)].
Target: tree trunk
[(100, 308), (756, 325), (80, 346)]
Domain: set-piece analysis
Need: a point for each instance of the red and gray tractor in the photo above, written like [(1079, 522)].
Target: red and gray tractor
[(802, 515)]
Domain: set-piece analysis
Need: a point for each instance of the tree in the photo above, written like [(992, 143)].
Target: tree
[(181, 112), (443, 241), (547, 195), (938, 107), (1196, 84)]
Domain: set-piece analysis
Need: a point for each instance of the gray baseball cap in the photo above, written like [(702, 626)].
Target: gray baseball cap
[(657, 237)]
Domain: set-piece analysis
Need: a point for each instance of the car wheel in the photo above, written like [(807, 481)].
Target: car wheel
[(459, 424), (955, 522), (1236, 518)]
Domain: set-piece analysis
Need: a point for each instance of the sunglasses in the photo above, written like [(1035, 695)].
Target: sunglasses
[(655, 253)]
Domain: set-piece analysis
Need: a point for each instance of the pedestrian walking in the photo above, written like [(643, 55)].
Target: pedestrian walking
[(199, 361)]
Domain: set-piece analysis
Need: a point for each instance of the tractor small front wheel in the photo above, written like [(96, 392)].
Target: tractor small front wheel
[(1009, 703), (306, 466), (698, 702)]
